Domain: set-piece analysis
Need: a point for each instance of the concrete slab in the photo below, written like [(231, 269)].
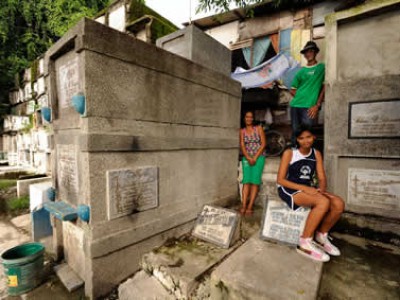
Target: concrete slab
[(262, 270), (50, 290), (143, 287), (23, 222), (180, 266), (68, 277), (23, 185)]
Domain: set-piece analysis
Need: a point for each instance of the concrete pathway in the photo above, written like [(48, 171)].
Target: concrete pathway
[(263, 270), (18, 231), (10, 237), (366, 270)]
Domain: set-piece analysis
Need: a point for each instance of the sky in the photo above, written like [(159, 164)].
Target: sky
[(177, 11)]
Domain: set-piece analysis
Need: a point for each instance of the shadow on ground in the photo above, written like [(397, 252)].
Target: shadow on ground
[(364, 271)]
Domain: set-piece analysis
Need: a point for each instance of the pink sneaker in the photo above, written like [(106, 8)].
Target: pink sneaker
[(323, 242), (307, 248)]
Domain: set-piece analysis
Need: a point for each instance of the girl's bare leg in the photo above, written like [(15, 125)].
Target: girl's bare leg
[(336, 209), (245, 196), (253, 195), (319, 207)]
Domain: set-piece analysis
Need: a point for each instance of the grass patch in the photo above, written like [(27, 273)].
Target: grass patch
[(7, 183), (18, 204)]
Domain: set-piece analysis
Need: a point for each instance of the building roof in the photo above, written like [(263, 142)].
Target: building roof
[(263, 8)]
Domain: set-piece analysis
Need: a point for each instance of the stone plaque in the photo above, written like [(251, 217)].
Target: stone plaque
[(376, 119), (67, 82), (73, 242), (130, 190), (216, 225), (280, 223), (67, 172), (374, 188)]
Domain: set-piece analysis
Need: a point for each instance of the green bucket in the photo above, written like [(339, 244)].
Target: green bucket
[(23, 266)]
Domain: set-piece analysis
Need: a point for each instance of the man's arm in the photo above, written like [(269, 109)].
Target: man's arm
[(321, 96), (313, 111)]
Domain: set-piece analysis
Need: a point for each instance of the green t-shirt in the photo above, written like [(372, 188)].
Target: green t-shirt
[(308, 82)]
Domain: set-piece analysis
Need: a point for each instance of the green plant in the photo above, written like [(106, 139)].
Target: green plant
[(29, 27), (18, 204), (7, 183)]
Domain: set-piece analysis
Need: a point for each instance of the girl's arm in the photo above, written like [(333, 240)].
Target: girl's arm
[(283, 169), (263, 142), (242, 146), (320, 172)]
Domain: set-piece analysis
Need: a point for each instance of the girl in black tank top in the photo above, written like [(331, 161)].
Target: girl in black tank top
[(296, 188)]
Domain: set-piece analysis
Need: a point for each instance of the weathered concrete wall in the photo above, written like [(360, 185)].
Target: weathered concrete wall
[(362, 130), (23, 185), (261, 26), (145, 107), (194, 44)]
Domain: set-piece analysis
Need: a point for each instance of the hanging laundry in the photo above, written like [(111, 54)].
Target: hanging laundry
[(265, 73), (255, 54)]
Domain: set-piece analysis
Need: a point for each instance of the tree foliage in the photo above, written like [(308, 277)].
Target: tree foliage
[(29, 27)]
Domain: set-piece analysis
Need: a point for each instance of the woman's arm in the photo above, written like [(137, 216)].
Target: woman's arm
[(263, 142), (320, 172), (283, 169)]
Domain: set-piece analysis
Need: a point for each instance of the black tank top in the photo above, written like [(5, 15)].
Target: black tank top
[(302, 167)]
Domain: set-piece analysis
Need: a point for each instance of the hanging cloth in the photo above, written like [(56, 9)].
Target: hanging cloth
[(275, 41), (260, 48)]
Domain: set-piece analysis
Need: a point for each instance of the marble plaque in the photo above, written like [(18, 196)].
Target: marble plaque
[(130, 190), (374, 188), (67, 82), (216, 225), (376, 119), (280, 223), (67, 171)]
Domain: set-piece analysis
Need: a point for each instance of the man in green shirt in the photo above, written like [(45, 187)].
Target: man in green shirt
[(308, 90)]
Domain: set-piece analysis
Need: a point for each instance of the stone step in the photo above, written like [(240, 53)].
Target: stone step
[(183, 266), (375, 228), (263, 270), (143, 287), (180, 267), (68, 277)]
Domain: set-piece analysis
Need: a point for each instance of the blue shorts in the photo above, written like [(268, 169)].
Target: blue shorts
[(286, 195)]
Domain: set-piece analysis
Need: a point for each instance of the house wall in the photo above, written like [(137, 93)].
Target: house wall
[(227, 34)]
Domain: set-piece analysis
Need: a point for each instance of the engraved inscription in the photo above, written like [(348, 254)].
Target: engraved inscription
[(283, 224), (216, 225), (67, 169), (374, 188), (131, 190), (67, 82), (375, 119)]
